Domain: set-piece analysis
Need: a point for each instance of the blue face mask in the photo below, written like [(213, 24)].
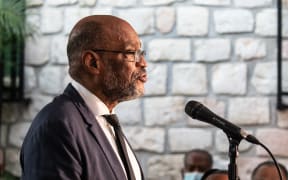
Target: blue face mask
[(193, 176)]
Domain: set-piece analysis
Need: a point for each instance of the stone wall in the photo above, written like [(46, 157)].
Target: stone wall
[(219, 52)]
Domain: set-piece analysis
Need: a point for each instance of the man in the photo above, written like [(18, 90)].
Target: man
[(268, 171), (196, 162), (70, 138)]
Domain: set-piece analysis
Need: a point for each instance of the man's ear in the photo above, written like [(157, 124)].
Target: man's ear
[(91, 61)]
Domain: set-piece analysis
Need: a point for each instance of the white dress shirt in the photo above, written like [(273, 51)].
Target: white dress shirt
[(98, 108)]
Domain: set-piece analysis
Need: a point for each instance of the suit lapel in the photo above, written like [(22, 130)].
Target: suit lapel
[(96, 131)]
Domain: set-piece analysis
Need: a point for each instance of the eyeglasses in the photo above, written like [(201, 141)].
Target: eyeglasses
[(132, 56)]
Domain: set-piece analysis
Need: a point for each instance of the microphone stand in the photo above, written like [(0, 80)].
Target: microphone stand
[(233, 153)]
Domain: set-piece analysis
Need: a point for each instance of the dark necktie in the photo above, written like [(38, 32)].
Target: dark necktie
[(120, 142)]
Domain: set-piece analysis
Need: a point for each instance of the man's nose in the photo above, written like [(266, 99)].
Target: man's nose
[(142, 62)]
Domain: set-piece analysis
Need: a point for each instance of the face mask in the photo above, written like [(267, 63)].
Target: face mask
[(193, 176)]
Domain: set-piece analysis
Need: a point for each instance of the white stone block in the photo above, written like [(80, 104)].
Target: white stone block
[(30, 79), (60, 2), (192, 21), (282, 117), (212, 50), (285, 49), (17, 133), (12, 164), (117, 3), (250, 48), (51, 79), (58, 50), (72, 16), (233, 21), (264, 78), (274, 138), (229, 78), (141, 19), (157, 79), (266, 22), (220, 162), (284, 20), (185, 139), (51, 20), (102, 11), (87, 2), (213, 2), (221, 142), (163, 167), (146, 139), (169, 50), (163, 110), (189, 79), (129, 112), (249, 111), (158, 2), (252, 4), (33, 20), (37, 50), (165, 19)]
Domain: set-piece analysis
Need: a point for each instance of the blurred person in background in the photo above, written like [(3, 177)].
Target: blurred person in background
[(196, 162), (268, 171)]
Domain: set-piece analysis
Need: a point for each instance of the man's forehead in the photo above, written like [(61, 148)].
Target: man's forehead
[(133, 44)]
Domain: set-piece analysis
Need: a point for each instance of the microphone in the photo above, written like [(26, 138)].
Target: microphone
[(198, 111)]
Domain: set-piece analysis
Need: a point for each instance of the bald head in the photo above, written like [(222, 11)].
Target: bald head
[(95, 32), (268, 171)]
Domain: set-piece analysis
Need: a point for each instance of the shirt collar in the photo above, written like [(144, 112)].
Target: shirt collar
[(97, 107)]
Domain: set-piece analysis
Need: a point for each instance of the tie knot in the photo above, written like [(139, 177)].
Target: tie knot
[(112, 120)]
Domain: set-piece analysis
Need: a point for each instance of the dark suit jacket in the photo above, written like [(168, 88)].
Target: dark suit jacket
[(66, 142)]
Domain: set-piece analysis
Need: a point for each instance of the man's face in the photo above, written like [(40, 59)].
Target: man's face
[(123, 78), (197, 162), (123, 81)]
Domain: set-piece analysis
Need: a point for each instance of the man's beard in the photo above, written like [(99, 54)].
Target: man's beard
[(118, 89)]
